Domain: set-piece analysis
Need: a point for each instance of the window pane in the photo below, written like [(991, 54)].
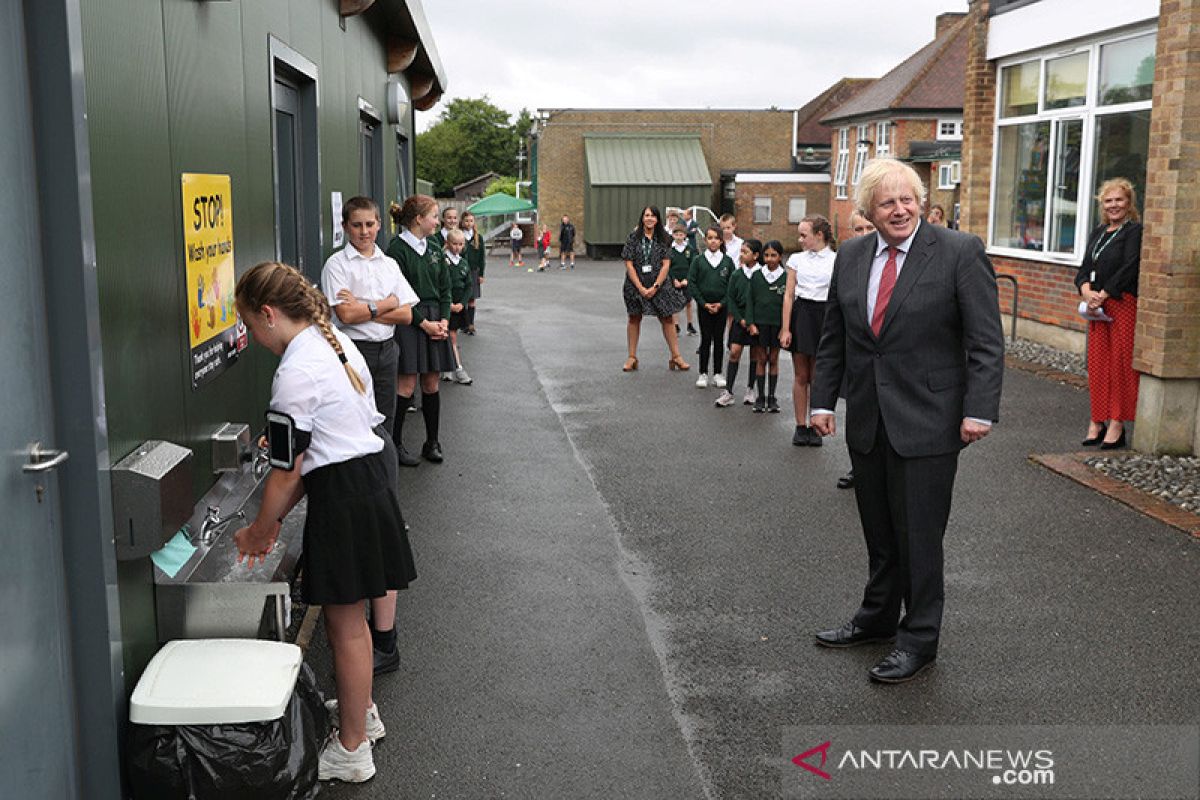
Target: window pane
[(1066, 81), (1065, 200), (797, 209), (1020, 208), (1127, 70), (1019, 89), (1122, 147), (762, 210)]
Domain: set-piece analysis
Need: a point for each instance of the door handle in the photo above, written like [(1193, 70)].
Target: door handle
[(43, 460)]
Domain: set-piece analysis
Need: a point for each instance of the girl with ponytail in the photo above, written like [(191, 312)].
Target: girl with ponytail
[(355, 547)]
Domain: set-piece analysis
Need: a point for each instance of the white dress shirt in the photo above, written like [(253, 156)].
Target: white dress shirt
[(411, 239), (312, 387), (814, 270), (373, 278), (715, 257)]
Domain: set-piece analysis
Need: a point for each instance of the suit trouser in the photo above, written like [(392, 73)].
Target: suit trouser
[(383, 359), (904, 504)]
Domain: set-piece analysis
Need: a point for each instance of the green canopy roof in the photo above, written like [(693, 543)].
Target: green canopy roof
[(499, 204), (645, 160)]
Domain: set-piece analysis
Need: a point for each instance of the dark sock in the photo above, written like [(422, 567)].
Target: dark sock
[(402, 404), (470, 315), (383, 641), (431, 407), (761, 380), (772, 382), (731, 375), (751, 374)]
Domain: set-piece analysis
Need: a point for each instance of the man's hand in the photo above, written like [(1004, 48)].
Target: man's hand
[(824, 424), (972, 431)]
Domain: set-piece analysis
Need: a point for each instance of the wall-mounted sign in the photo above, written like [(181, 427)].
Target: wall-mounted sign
[(215, 333), (339, 233)]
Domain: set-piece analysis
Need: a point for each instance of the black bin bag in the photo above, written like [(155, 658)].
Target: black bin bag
[(275, 760)]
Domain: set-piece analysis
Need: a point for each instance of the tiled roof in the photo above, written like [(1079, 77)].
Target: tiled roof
[(809, 130), (931, 79)]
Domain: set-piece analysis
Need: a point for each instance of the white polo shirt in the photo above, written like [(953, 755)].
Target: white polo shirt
[(312, 387), (372, 277), (814, 271)]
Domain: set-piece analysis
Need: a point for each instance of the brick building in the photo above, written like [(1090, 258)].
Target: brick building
[(914, 113), (769, 204), (1057, 102), (730, 140)]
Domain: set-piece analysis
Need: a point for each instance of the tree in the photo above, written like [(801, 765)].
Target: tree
[(508, 185), (472, 136)]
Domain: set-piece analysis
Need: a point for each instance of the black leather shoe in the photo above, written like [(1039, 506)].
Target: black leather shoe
[(800, 437), (405, 458), (432, 451), (815, 439), (1117, 445), (850, 635), (899, 666), (385, 662), (846, 481)]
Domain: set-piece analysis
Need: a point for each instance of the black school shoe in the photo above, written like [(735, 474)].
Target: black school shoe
[(405, 458), (760, 404), (384, 661), (772, 405), (432, 451), (814, 439), (800, 437)]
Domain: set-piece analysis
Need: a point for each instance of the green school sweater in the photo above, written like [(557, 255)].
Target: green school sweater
[(764, 303), (425, 274), (681, 262), (460, 278), (737, 295), (709, 284), (475, 254)]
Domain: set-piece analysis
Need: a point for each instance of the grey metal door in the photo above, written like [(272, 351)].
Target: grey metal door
[(37, 728)]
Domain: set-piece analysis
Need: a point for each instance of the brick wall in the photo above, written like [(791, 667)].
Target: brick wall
[(816, 195), (1168, 329), (747, 141), (979, 117)]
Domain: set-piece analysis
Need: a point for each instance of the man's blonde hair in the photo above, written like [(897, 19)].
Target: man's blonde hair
[(877, 172)]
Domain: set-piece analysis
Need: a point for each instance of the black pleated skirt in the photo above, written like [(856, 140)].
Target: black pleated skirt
[(808, 318), (740, 335), (418, 352), (355, 546), (768, 336)]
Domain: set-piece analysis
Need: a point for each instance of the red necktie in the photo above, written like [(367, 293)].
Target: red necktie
[(887, 282)]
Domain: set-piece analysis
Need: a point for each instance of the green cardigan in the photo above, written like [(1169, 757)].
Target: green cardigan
[(475, 254), (460, 278), (425, 274), (737, 295), (681, 262)]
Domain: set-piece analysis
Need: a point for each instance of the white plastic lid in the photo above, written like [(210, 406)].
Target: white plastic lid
[(214, 681)]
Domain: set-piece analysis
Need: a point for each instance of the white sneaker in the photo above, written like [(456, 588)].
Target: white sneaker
[(726, 399), (461, 376), (702, 381), (338, 763), (447, 376), (750, 397), (719, 381), (375, 729)]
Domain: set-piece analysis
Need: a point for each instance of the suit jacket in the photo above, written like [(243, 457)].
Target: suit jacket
[(940, 353)]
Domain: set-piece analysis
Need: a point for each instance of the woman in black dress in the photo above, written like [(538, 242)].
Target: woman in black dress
[(648, 290)]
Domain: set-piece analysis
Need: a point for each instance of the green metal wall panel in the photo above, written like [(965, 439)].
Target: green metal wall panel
[(611, 212)]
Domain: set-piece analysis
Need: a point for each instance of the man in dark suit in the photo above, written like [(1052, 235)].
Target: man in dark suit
[(914, 326)]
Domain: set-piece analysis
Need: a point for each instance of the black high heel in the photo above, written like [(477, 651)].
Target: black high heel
[(1092, 441), (1117, 445)]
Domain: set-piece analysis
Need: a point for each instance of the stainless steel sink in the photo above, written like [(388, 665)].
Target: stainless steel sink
[(213, 595)]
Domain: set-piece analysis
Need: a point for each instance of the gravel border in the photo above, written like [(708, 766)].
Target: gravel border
[(1052, 357), (1175, 479)]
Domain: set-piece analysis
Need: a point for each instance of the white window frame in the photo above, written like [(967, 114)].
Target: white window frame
[(948, 172), (793, 217), (956, 130), (883, 138), (1090, 112), (862, 149), (762, 202), (843, 163)]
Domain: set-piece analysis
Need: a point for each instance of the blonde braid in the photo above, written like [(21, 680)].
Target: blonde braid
[(319, 313)]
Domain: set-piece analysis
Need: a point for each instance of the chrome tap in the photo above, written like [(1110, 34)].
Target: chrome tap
[(214, 522)]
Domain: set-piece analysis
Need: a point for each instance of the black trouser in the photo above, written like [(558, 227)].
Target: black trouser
[(383, 358), (712, 337), (903, 504)]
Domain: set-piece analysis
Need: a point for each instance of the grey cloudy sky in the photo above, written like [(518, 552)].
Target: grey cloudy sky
[(646, 54)]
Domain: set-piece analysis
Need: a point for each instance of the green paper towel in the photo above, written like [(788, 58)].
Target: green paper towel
[(174, 554)]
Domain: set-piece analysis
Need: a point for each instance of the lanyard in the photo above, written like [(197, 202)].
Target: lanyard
[(1101, 243), (647, 249)]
